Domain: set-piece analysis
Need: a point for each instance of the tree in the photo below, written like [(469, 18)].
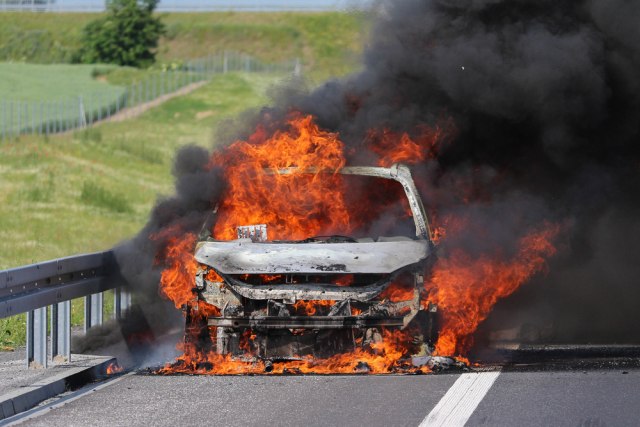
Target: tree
[(128, 35)]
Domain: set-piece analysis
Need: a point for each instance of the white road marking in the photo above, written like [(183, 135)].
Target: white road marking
[(456, 407)]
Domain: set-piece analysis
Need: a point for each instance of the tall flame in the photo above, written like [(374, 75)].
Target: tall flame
[(177, 279), (466, 288), (295, 206)]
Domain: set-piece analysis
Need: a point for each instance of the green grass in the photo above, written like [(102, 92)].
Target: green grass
[(98, 196), (41, 37), (328, 43), (31, 82), (13, 331)]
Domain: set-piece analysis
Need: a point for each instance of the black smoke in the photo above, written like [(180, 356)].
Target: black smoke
[(545, 99)]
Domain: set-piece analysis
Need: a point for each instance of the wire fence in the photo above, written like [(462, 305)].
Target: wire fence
[(45, 117), (187, 5)]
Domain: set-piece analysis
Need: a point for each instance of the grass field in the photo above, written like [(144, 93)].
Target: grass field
[(328, 43)]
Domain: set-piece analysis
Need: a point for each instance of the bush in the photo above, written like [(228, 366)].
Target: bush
[(127, 35)]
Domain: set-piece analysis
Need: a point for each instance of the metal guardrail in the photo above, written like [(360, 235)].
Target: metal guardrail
[(53, 284)]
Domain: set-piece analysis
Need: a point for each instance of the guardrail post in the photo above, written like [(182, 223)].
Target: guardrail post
[(121, 302), (117, 303), (92, 311), (61, 332), (37, 338), (126, 300)]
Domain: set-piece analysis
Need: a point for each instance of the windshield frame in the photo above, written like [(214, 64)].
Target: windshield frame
[(397, 172)]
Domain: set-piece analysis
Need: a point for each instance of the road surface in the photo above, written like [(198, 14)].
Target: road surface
[(567, 395)]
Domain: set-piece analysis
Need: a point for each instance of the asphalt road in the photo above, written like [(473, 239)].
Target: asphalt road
[(558, 397)]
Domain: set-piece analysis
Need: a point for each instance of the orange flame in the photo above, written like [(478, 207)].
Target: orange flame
[(466, 289), (114, 368), (310, 308), (383, 359), (393, 147), (294, 206), (178, 277)]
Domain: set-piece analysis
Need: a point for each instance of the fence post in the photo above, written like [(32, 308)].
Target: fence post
[(48, 122), (64, 121), (225, 63), (132, 95), (91, 112), (54, 117), (57, 114), (11, 119), (65, 108), (4, 119), (82, 121), (19, 111), (25, 117), (100, 106), (163, 83), (33, 117)]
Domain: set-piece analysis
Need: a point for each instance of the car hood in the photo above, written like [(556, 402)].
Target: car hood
[(246, 257)]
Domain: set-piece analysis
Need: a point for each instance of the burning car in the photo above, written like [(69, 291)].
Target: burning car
[(321, 295)]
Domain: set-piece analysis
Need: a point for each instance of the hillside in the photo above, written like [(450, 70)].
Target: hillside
[(328, 43)]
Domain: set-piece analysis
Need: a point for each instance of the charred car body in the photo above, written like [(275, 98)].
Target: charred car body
[(265, 285)]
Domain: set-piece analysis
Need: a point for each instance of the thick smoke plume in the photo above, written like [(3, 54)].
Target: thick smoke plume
[(544, 96)]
